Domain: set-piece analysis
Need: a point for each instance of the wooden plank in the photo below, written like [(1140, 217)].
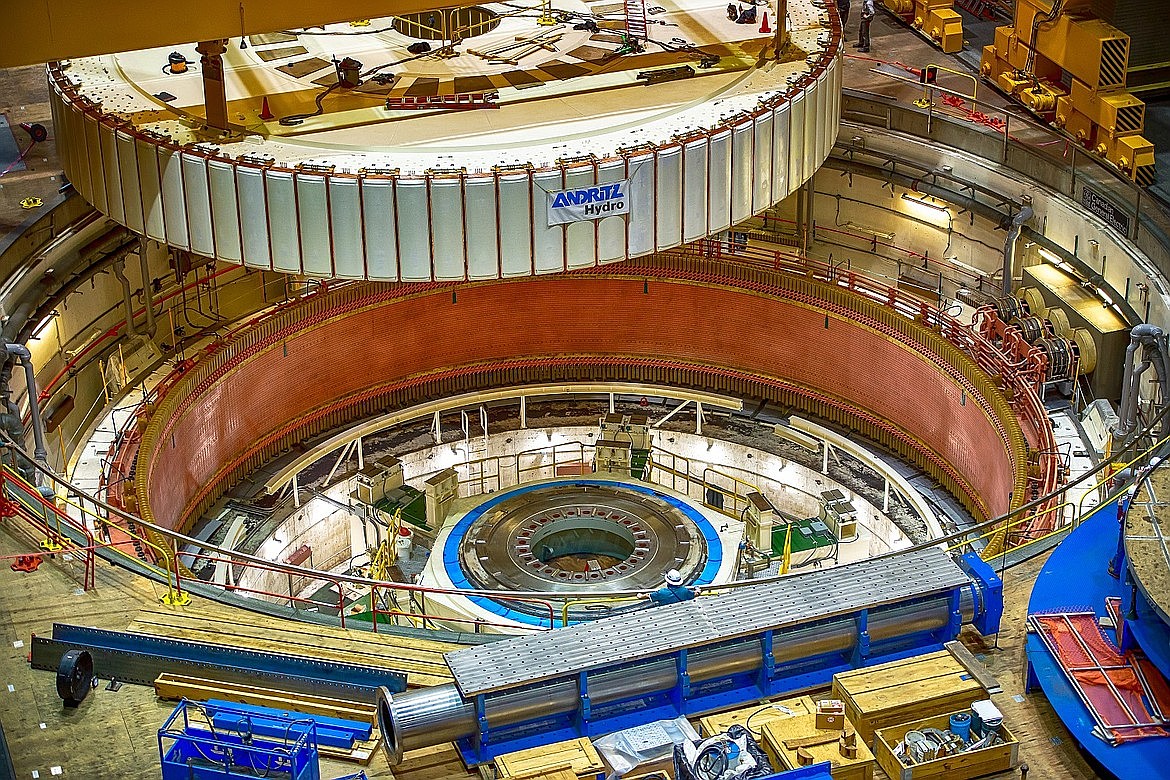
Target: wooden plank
[(998, 758), (564, 772), (439, 762), (757, 714), (817, 739), (270, 626), (177, 686), (802, 727), (422, 660), (576, 753), (974, 666)]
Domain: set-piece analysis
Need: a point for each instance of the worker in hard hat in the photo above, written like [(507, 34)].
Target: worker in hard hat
[(674, 592)]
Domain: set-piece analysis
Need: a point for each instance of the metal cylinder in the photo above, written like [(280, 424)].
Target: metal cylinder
[(431, 716)]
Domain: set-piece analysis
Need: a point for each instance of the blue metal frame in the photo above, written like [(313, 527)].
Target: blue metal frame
[(769, 678), (190, 750), (1083, 558), (987, 588), (821, 771)]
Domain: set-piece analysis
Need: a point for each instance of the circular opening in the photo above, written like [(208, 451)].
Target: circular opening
[(580, 545), (445, 25)]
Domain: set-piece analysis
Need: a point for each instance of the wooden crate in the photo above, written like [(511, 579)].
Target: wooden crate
[(800, 726), (906, 690), (710, 725), (986, 761), (578, 754)]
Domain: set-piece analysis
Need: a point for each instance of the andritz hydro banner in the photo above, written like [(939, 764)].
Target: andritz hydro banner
[(584, 203)]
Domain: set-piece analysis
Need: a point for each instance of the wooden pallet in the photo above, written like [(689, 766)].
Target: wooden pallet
[(578, 755), (178, 686), (420, 659), (906, 690), (803, 729)]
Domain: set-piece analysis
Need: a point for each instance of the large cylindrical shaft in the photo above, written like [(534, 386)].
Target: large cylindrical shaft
[(431, 716)]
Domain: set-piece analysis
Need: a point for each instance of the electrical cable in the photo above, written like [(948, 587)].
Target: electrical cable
[(1039, 21), (296, 119)]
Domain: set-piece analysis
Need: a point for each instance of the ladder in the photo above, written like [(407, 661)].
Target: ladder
[(636, 19)]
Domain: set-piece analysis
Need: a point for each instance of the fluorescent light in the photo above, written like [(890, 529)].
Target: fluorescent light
[(923, 202), (44, 324)]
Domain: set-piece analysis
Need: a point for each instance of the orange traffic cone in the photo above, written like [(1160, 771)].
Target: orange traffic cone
[(265, 112), (764, 28)]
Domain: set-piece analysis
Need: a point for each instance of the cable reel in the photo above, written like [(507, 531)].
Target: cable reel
[(75, 677)]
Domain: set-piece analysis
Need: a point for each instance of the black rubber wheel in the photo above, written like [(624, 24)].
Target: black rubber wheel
[(75, 676), (38, 132)]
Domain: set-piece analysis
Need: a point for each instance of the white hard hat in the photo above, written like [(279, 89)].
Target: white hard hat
[(673, 577)]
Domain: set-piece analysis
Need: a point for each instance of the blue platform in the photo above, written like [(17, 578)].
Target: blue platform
[(453, 566), (1075, 578)]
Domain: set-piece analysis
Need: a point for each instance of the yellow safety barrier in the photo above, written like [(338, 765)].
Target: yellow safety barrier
[(175, 596)]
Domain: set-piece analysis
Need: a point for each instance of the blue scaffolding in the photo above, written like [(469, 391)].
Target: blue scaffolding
[(192, 747)]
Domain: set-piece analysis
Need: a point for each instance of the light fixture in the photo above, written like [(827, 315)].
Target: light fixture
[(44, 323), (1055, 260), (922, 202), (883, 234)]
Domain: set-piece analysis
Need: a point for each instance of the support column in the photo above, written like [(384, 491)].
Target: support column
[(214, 94), (523, 412), (781, 30)]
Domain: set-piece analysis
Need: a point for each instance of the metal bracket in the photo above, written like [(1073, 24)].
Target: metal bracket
[(861, 649), (479, 739), (682, 691), (768, 667), (584, 710)]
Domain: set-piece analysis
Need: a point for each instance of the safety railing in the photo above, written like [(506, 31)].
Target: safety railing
[(1033, 150)]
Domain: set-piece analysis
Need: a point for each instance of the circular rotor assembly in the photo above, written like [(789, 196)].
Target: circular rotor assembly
[(581, 535)]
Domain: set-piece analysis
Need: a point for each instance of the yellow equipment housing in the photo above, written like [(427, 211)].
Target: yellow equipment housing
[(1070, 68), (936, 20)]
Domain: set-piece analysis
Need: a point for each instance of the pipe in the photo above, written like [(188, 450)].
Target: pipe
[(147, 292), (120, 273), (1009, 246), (1126, 381), (40, 452), (1151, 338), (431, 716)]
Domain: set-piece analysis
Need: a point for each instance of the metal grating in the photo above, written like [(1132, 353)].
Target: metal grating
[(1114, 56), (656, 631)]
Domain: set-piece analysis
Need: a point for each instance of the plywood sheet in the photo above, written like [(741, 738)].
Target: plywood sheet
[(302, 68), (268, 55)]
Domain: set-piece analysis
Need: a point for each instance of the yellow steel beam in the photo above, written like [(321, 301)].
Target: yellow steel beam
[(36, 31)]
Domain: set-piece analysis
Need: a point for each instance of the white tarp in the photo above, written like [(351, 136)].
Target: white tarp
[(585, 203)]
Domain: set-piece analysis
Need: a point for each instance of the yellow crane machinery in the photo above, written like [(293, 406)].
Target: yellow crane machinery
[(937, 20), (1069, 68)]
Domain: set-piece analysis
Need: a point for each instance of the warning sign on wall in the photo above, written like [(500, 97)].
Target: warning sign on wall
[(584, 203)]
